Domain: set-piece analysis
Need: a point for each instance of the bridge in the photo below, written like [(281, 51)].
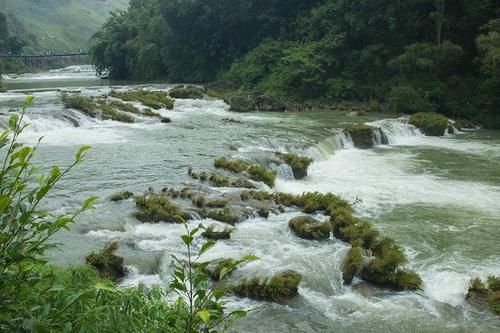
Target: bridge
[(42, 61)]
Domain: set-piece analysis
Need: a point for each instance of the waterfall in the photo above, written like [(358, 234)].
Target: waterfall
[(393, 131)]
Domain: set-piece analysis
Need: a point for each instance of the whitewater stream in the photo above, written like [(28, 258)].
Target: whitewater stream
[(438, 197)]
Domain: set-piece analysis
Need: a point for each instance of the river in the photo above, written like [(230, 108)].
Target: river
[(438, 197)]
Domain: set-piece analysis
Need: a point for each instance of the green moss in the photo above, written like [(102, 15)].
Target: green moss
[(361, 135), (186, 92), (485, 295), (153, 99), (123, 195), (212, 233), (219, 203), (157, 208), (308, 228), (279, 287), (385, 269), (299, 164), (219, 180), (223, 215), (259, 173), (256, 195), (125, 107), (199, 201), (78, 102), (107, 263), (237, 166), (352, 264), (108, 112), (430, 123)]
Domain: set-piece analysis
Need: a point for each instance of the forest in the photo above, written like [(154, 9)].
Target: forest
[(404, 56)]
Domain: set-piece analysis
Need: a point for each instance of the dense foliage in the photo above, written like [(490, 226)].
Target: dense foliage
[(415, 55)]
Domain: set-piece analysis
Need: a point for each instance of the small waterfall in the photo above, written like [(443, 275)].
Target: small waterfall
[(393, 131), (379, 137), (285, 172)]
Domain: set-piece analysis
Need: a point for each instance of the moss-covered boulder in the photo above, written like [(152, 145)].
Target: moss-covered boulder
[(153, 99), (215, 234), (299, 164), (307, 227), (120, 196), (485, 295), (361, 135), (385, 269), (430, 123), (189, 92), (352, 265), (158, 208), (278, 288), (107, 263), (227, 215), (242, 103), (269, 103)]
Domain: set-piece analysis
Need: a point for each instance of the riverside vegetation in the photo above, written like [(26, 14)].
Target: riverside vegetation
[(409, 57), (38, 297)]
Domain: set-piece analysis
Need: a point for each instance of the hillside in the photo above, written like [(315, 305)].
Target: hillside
[(58, 24)]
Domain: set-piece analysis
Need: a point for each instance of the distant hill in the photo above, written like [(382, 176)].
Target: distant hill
[(58, 25)]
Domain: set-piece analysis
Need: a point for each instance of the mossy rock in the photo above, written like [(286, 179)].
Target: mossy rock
[(386, 270), (189, 92), (361, 135), (242, 103), (299, 164), (307, 227), (120, 196), (158, 208), (430, 123), (153, 99), (279, 287), (259, 173), (352, 265), (485, 295), (213, 233), (107, 263), (236, 166), (225, 215), (269, 103)]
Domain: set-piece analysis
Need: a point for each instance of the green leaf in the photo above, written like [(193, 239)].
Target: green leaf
[(13, 121), (87, 204), (207, 246), (105, 287), (4, 203), (81, 151), (205, 316), (29, 100), (187, 239), (224, 272)]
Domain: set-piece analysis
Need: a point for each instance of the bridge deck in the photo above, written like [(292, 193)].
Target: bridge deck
[(42, 56)]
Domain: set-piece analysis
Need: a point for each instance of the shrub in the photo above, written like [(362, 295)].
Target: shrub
[(406, 99)]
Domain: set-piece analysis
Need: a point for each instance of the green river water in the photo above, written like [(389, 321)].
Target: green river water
[(438, 197)]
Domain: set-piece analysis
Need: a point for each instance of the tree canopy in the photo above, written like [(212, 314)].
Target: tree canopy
[(441, 53)]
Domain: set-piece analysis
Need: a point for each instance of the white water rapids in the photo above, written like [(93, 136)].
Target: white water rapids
[(438, 197)]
